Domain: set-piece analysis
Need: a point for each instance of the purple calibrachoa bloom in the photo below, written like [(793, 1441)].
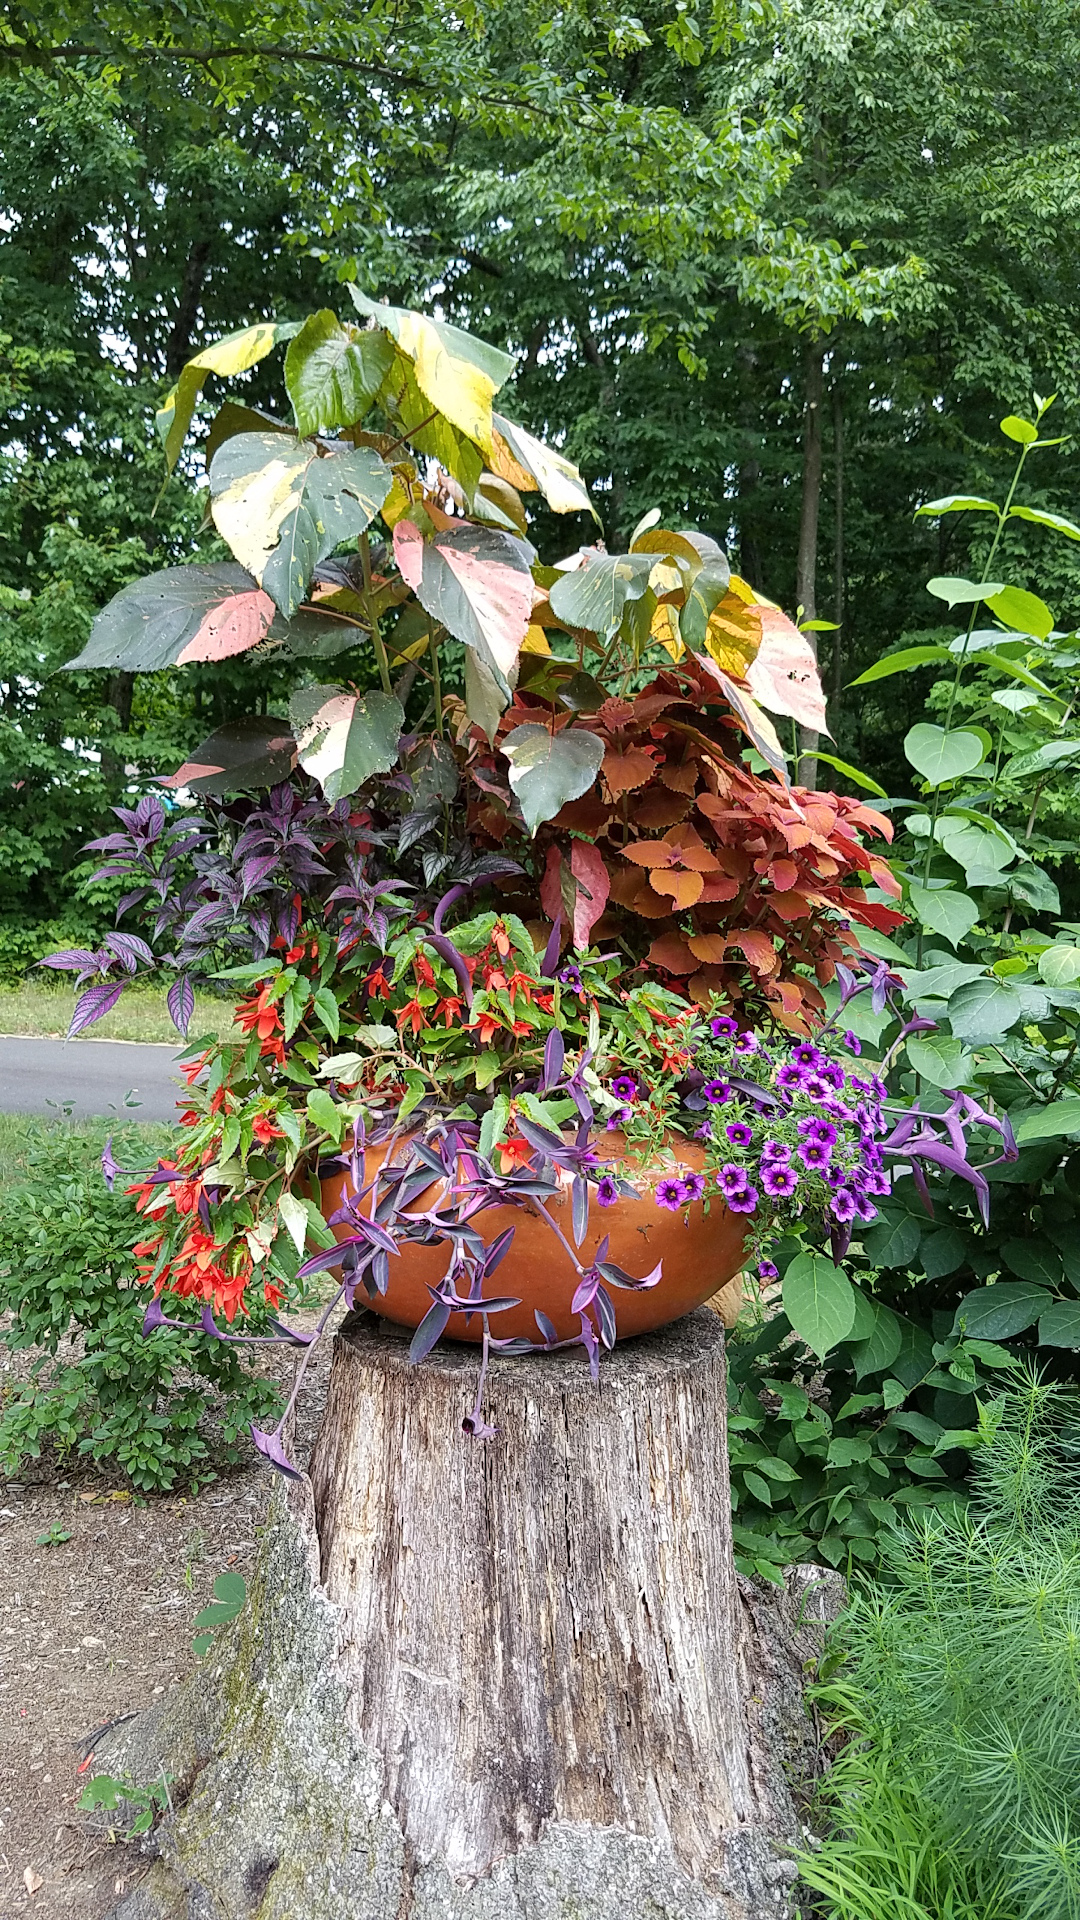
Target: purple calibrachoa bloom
[(747, 1043), (716, 1092), (767, 1271), (669, 1194), (744, 1202), (722, 1027), (852, 1042), (731, 1179), (777, 1151), (739, 1133), (624, 1087), (806, 1055), (779, 1181), (791, 1078), (815, 1153), (693, 1186), (844, 1205), (606, 1191)]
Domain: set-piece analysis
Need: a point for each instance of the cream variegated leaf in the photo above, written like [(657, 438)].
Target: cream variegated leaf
[(283, 507)]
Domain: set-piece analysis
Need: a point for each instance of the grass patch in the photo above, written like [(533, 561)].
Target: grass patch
[(76, 1143), (37, 1008)]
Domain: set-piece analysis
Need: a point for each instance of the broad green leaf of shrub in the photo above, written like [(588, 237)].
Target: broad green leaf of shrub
[(1052, 753), (940, 1058), (1033, 1260), (819, 1301), (957, 592), (941, 756), (984, 1010), (181, 615), (876, 1353), (235, 353), (1059, 1326), (1022, 610), (999, 1312), (944, 911), (893, 1241), (942, 1252), (1060, 966), (903, 662), (1052, 1122)]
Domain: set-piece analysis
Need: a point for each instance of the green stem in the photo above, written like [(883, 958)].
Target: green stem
[(376, 635), (436, 681)]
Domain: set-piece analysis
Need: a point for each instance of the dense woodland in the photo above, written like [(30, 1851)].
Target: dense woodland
[(777, 269)]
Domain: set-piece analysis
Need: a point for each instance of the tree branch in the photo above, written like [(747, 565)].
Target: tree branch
[(31, 55)]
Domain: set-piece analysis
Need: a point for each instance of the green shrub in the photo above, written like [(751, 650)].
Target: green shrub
[(959, 1793), (66, 1268)]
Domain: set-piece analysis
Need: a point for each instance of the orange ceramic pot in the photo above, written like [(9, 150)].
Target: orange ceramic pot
[(700, 1253)]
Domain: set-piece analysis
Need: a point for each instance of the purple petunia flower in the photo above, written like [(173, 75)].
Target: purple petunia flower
[(693, 1186), (739, 1133), (624, 1087), (815, 1153), (744, 1202), (865, 1207), (806, 1055), (779, 1181), (825, 1132), (747, 1043), (844, 1206), (619, 1119), (722, 1027), (731, 1179), (816, 1087), (878, 1088), (858, 1085), (852, 1042), (766, 1270), (571, 977), (791, 1078), (704, 1132), (606, 1191), (833, 1075), (776, 1150), (833, 1176), (716, 1092), (669, 1194)]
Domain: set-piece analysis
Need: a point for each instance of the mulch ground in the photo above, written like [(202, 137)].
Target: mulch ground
[(92, 1628)]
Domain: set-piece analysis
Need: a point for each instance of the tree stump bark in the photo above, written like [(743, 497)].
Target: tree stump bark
[(506, 1680)]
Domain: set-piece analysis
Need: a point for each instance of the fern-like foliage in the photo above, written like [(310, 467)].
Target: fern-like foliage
[(958, 1794)]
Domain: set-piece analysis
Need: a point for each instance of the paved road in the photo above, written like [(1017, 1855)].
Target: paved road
[(112, 1078)]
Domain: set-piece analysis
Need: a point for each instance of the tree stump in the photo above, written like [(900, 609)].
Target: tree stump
[(515, 1679)]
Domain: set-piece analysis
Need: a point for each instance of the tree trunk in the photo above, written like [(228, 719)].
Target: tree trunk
[(506, 1680), (806, 564), (839, 595)]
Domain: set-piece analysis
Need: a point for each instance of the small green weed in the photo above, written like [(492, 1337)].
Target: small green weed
[(103, 1792), (230, 1590), (53, 1536)]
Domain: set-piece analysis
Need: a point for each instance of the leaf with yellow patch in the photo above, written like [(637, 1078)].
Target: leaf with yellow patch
[(455, 371), (665, 628), (235, 353)]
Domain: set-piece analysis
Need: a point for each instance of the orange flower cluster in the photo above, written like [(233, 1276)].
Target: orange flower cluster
[(262, 1015)]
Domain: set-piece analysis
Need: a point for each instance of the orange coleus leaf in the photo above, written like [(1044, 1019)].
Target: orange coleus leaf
[(654, 906), (883, 874), (861, 816), (758, 948), (648, 853), (589, 815), (710, 948), (784, 874), (685, 888), (659, 810), (681, 777), (627, 770), (790, 906), (672, 953), (719, 887), (626, 884)]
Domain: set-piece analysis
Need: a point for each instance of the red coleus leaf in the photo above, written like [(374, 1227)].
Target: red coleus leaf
[(625, 771), (672, 953)]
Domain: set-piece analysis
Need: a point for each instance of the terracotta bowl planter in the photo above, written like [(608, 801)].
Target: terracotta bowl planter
[(701, 1254)]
